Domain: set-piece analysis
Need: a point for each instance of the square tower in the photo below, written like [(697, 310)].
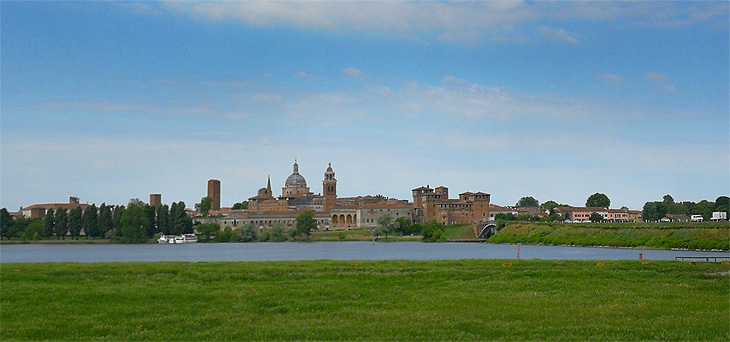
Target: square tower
[(214, 192)]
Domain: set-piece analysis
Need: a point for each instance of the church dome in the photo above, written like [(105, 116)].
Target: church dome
[(295, 179)]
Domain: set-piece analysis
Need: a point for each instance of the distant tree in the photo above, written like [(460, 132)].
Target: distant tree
[(527, 202), (403, 226), (668, 199), (430, 229), (133, 223), (117, 215), (48, 223), (60, 228), (550, 205), (181, 223), (598, 200), (505, 217), (240, 206), (105, 223), (204, 206), (596, 217), (306, 224), (34, 230), (6, 224), (277, 233), (248, 233), (703, 208), (149, 220), (91, 222), (208, 230), (226, 235), (385, 225), (722, 203), (75, 222), (162, 219), (19, 226)]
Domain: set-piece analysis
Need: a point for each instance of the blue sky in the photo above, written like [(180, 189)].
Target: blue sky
[(109, 101)]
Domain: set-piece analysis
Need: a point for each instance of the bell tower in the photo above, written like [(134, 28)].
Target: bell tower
[(329, 189)]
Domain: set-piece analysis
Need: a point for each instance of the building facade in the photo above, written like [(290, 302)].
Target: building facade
[(435, 205)]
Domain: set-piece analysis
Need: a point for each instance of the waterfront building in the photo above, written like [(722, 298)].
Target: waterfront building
[(583, 214), (39, 210)]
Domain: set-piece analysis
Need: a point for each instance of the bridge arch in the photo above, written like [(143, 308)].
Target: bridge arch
[(485, 230)]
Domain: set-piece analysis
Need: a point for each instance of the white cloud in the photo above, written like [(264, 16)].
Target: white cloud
[(662, 81), (456, 22), (353, 73), (453, 81), (303, 75), (558, 35), (611, 78), (657, 77), (225, 84)]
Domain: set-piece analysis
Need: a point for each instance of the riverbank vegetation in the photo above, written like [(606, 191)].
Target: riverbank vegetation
[(683, 235), (391, 300)]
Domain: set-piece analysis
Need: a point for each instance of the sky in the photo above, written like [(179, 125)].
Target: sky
[(109, 101)]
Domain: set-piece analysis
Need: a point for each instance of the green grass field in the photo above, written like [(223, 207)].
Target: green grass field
[(393, 300), (703, 236)]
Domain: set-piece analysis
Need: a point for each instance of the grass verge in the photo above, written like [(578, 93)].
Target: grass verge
[(706, 237), (391, 300)]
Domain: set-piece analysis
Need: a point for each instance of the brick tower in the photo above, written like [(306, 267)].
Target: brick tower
[(329, 189), (214, 192)]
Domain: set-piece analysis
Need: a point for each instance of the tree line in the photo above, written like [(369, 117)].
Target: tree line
[(655, 211), (133, 223)]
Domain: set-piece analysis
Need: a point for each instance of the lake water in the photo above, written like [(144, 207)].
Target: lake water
[(209, 252)]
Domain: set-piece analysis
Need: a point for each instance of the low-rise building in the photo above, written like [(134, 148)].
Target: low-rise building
[(39, 210)]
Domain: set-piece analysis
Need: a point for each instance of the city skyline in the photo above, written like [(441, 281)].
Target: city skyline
[(109, 101)]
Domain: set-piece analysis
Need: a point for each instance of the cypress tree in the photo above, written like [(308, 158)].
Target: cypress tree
[(91, 224), (61, 224), (48, 223)]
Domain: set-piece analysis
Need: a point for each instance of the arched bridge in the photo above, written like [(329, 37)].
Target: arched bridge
[(484, 230)]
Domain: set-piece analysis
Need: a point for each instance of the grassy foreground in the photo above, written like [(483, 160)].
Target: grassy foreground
[(392, 300)]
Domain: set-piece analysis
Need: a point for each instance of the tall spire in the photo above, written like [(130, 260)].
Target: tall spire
[(268, 185)]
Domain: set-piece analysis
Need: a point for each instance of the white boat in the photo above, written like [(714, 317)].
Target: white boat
[(186, 238), (166, 239)]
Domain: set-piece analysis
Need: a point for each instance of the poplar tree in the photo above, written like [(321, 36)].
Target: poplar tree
[(61, 225), (117, 221), (105, 220), (149, 222), (75, 222), (162, 219), (91, 224), (48, 223)]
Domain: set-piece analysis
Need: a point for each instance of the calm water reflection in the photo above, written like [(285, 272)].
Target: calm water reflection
[(320, 251)]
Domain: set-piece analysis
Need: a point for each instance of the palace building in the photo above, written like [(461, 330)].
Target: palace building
[(435, 205)]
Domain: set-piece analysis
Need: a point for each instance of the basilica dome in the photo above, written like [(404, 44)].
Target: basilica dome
[(295, 179)]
